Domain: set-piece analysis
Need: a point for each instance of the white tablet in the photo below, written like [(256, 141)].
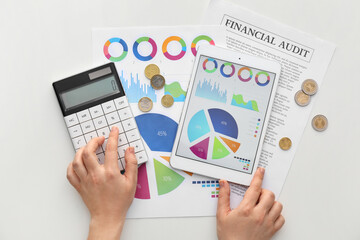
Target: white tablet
[(225, 115)]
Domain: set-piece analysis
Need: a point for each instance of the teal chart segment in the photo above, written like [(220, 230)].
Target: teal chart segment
[(198, 126)]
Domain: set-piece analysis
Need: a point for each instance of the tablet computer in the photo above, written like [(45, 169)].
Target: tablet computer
[(225, 115)]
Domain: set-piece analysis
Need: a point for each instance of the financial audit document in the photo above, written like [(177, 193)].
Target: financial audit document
[(302, 56)]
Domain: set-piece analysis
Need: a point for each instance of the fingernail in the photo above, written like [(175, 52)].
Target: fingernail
[(261, 170), (221, 183), (131, 150), (113, 128)]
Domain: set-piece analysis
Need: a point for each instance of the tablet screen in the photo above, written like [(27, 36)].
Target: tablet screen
[(225, 114)]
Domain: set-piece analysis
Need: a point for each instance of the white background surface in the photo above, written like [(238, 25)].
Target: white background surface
[(44, 41)]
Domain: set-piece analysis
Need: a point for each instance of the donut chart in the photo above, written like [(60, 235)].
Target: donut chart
[(222, 140), (106, 49), (166, 43), (267, 79), (136, 52), (199, 38), (210, 60), (245, 79), (232, 70)]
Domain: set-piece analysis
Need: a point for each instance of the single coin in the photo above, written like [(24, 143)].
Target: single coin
[(145, 104), (285, 143), (301, 98), (167, 100), (157, 81), (309, 87), (151, 70), (319, 123)]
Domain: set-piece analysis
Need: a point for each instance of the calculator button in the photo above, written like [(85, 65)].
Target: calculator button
[(100, 122), (75, 131), (87, 126), (132, 135), (101, 158), (112, 118), (141, 157), (129, 124), (90, 136), (96, 111), (104, 132), (119, 125), (138, 146), (125, 113), (122, 139), (83, 115), (122, 149), (121, 161), (71, 120), (79, 142), (108, 106), (121, 102)]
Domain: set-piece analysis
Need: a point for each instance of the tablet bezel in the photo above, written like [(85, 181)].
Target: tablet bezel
[(215, 171)]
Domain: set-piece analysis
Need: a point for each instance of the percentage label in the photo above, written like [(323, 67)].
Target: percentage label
[(166, 178), (224, 123), (162, 133)]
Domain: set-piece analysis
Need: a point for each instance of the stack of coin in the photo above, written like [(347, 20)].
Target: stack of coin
[(308, 88)]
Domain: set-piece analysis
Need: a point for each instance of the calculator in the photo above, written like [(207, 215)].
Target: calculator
[(92, 102)]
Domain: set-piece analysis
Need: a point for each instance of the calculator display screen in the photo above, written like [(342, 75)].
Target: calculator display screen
[(95, 90)]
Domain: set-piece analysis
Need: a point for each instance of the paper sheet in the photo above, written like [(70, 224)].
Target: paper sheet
[(302, 56), (162, 191)]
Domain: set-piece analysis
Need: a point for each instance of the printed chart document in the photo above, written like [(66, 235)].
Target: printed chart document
[(301, 56), (162, 191)]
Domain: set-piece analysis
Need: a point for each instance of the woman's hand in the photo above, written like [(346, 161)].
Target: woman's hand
[(258, 217), (106, 192)]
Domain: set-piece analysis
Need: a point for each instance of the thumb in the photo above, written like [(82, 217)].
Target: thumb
[(131, 166), (223, 207)]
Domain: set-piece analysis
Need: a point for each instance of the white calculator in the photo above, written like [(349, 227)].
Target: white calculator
[(94, 101)]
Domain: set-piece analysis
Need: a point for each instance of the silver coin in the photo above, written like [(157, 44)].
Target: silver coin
[(145, 104), (157, 81)]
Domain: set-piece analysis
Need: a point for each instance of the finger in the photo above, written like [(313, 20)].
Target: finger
[(89, 154), (223, 207), (111, 154), (252, 195), (131, 165), (72, 177), (266, 201), (279, 223), (275, 211), (78, 165)]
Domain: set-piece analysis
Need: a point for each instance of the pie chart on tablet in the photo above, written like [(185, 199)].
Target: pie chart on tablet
[(212, 127)]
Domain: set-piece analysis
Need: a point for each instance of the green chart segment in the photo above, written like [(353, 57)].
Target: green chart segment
[(219, 150), (166, 179)]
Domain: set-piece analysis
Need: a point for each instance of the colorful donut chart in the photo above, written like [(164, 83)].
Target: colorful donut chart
[(257, 79), (199, 38), (245, 79), (222, 70), (106, 49), (136, 45), (211, 60), (183, 48)]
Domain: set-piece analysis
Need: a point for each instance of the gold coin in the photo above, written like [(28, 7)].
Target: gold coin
[(285, 143), (167, 100), (157, 81), (151, 70), (301, 98), (145, 104), (309, 87), (319, 123)]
